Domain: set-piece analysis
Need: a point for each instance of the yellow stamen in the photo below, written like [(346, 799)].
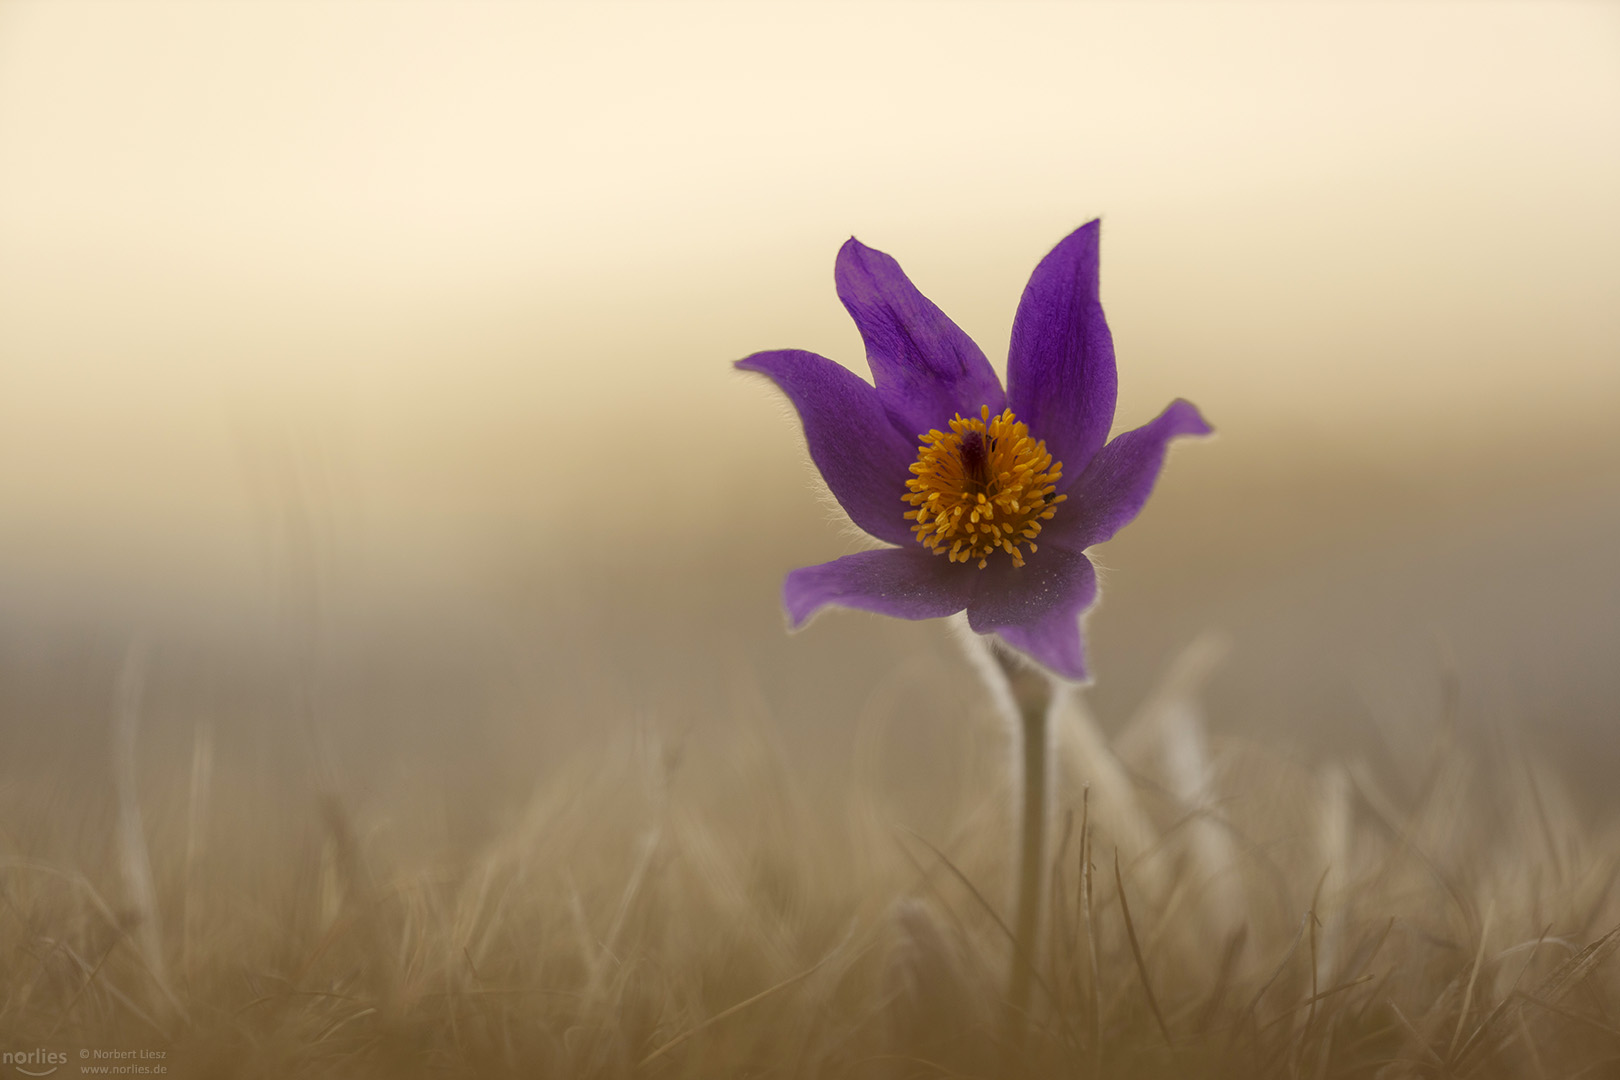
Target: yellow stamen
[(990, 470)]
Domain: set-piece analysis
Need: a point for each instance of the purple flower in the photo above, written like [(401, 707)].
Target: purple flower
[(990, 497)]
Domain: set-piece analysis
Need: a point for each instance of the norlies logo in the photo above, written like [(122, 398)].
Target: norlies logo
[(35, 1062)]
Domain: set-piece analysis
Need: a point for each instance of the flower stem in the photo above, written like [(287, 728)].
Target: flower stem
[(1031, 693)]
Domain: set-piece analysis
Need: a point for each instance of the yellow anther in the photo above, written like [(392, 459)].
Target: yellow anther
[(961, 480)]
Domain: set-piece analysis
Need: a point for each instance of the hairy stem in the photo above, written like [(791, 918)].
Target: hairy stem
[(1032, 696), (1025, 695)]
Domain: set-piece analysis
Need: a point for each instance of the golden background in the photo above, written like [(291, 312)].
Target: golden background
[(385, 350)]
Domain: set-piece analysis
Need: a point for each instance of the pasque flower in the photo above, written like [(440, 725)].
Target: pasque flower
[(990, 497)]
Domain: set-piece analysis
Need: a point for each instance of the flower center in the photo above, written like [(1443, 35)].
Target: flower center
[(983, 485)]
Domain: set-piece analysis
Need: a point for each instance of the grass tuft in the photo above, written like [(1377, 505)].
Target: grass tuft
[(652, 913)]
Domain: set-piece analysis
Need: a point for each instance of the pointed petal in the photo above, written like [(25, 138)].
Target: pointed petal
[(904, 583), (1060, 366), (1114, 487), (865, 461), (926, 369), (1036, 607)]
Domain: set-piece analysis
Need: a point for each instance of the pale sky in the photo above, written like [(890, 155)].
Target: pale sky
[(463, 255)]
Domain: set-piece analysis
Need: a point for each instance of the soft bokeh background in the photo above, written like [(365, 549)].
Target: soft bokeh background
[(372, 361)]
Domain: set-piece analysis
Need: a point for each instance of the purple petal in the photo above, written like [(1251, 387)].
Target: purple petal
[(926, 369), (1036, 607), (1060, 366), (1114, 487), (904, 583), (865, 461)]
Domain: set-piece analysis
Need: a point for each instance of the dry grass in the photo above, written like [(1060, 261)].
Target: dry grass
[(1219, 912)]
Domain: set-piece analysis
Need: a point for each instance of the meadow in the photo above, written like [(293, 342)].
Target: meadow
[(671, 904)]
